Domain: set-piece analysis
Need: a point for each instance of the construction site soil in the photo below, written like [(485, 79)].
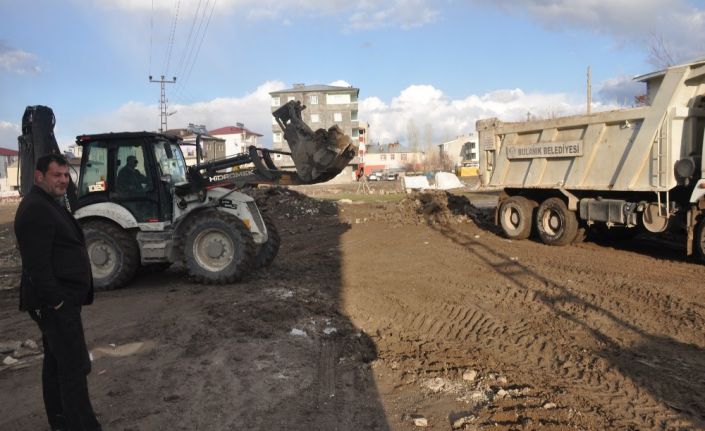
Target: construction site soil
[(388, 313)]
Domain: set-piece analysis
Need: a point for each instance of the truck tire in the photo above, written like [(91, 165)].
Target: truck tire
[(114, 254), (268, 251), (515, 217), (218, 248), (555, 223)]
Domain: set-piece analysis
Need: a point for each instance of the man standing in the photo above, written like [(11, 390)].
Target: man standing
[(56, 282)]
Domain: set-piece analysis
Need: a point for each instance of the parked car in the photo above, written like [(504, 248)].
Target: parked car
[(391, 176), (375, 176)]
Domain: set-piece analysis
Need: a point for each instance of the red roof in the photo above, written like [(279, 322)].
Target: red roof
[(8, 152), (232, 130)]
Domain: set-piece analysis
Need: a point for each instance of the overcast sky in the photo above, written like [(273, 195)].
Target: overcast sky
[(440, 65)]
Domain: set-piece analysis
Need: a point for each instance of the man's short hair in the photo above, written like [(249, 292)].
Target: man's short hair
[(44, 162)]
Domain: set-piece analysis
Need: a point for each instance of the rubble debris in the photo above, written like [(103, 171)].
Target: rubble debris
[(460, 422), (469, 375), (9, 360), (421, 422), (9, 346)]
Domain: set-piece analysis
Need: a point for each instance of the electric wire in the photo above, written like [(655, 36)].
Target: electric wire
[(172, 37), (151, 35), (192, 54), (189, 39), (194, 58)]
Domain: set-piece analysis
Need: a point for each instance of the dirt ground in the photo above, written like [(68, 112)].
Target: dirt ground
[(389, 315)]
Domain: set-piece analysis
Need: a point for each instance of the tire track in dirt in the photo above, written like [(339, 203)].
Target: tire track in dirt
[(550, 329), (617, 382)]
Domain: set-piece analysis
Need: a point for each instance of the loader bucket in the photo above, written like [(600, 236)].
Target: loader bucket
[(318, 156)]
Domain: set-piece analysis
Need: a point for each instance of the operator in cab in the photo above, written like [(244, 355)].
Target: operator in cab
[(129, 178)]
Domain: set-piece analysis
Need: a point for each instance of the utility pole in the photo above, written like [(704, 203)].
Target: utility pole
[(589, 90), (162, 100)]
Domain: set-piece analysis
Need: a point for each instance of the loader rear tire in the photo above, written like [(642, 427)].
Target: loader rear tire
[(555, 223), (114, 254), (516, 216), (218, 248), (268, 251)]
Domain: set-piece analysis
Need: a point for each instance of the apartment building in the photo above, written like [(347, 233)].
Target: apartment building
[(326, 105), (462, 149), (237, 138), (213, 147), (392, 157)]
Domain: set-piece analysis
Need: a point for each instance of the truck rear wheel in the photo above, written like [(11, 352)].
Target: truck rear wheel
[(218, 248), (268, 251), (555, 223), (515, 217), (114, 254)]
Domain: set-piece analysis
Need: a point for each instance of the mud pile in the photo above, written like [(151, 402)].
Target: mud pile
[(435, 207), (283, 202)]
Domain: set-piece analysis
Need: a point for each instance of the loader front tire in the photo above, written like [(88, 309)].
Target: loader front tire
[(515, 217), (113, 252), (555, 223), (268, 251), (218, 248)]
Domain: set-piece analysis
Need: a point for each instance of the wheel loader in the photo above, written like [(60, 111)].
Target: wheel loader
[(139, 204)]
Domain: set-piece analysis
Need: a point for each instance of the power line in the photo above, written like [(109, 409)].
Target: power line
[(171, 38), (203, 36), (191, 50), (189, 38), (151, 33)]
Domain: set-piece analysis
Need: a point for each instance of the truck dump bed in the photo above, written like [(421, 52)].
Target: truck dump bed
[(631, 149)]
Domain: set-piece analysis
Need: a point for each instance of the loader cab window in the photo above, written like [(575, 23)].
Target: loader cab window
[(132, 175), (171, 162), (94, 172)]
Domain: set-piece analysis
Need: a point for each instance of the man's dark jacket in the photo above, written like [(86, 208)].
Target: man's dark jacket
[(55, 263)]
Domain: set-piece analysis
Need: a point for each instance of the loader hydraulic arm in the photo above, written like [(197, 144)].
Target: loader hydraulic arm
[(317, 156)]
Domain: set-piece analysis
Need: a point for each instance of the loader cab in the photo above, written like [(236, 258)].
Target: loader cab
[(134, 170)]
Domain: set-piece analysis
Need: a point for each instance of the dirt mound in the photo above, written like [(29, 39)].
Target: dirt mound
[(435, 207), (283, 202)]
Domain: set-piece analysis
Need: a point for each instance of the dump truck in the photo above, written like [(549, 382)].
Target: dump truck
[(140, 205), (617, 172)]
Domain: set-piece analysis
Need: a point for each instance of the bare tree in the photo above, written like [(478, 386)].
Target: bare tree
[(660, 54), (428, 137), (412, 135)]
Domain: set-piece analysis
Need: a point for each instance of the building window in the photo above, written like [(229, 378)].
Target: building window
[(313, 100), (353, 115), (315, 118), (355, 133), (383, 157), (290, 98), (403, 156), (337, 116), (391, 157), (337, 99), (276, 101), (277, 137)]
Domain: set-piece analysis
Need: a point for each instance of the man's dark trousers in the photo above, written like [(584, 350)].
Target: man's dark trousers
[(66, 365)]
